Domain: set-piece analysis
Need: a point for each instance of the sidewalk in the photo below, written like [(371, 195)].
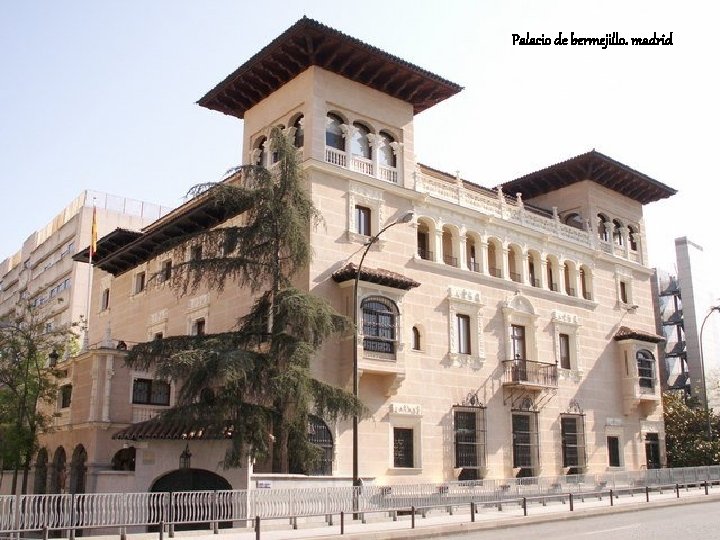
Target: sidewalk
[(439, 523)]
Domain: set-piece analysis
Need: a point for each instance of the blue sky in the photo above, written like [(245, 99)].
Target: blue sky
[(101, 95)]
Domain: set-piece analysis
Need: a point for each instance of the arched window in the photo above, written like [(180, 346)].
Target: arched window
[(334, 137), (319, 435), (57, 475), (260, 152), (78, 470), (585, 283), (379, 318), (631, 238), (617, 232), (299, 132), (274, 156), (602, 228), (124, 460), (360, 141), (574, 220), (386, 154), (646, 371), (416, 343)]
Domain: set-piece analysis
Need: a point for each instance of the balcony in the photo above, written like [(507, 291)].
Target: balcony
[(450, 260), (361, 165), (529, 374), (516, 277), (495, 272), (425, 255)]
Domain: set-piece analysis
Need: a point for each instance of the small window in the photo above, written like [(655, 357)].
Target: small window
[(260, 152), (198, 327), (623, 292), (416, 343), (362, 220), (646, 371), (139, 282), (403, 448), (105, 300), (196, 253), (463, 329), (517, 337), (150, 392), (617, 232), (564, 342), (572, 431), (602, 229), (613, 445), (65, 396), (166, 271), (423, 242), (632, 238)]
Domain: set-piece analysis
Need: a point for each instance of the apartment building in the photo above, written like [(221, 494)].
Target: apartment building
[(506, 331), (42, 273)]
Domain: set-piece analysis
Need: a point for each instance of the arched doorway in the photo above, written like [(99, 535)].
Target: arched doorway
[(77, 470), (57, 472), (190, 480)]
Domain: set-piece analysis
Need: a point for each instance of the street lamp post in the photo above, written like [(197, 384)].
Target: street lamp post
[(702, 372), (404, 219)]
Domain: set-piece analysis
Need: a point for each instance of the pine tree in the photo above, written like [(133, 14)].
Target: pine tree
[(254, 385)]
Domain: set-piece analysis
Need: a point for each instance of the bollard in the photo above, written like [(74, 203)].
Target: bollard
[(472, 512), (524, 506), (611, 498), (677, 490), (412, 517), (706, 487), (45, 532), (342, 522), (572, 505), (257, 527), (161, 530), (647, 493)]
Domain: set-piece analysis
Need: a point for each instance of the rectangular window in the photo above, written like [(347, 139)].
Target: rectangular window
[(564, 340), (105, 300), (613, 445), (65, 396), (139, 282), (150, 392), (646, 375), (469, 442), (463, 329), (166, 271), (198, 327), (403, 448), (623, 292), (525, 443), (196, 253), (572, 431), (423, 245), (362, 220), (652, 450), (518, 342)]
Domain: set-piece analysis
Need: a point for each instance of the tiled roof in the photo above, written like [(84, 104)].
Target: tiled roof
[(310, 43), (160, 428), (625, 332), (378, 276), (596, 167)]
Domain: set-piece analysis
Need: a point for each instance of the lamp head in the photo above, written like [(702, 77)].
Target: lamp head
[(407, 218)]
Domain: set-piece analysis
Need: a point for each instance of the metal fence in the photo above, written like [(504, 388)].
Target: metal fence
[(121, 510)]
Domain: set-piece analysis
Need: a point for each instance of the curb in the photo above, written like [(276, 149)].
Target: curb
[(441, 531)]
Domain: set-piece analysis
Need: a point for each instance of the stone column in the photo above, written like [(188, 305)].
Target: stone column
[(438, 247), (397, 152), (482, 258), (504, 262), (462, 255), (525, 268), (375, 143), (541, 272), (348, 132)]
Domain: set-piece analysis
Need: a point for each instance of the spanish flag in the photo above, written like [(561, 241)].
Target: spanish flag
[(93, 234)]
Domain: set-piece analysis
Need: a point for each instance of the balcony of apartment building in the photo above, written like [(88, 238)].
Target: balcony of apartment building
[(641, 384), (529, 374), (359, 147)]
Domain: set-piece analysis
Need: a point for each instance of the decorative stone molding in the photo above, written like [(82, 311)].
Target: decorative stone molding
[(405, 409)]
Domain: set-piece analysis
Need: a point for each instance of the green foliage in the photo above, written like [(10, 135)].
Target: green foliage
[(254, 384), (27, 385), (686, 432)]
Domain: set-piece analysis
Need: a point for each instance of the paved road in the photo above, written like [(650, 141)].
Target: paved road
[(686, 522)]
